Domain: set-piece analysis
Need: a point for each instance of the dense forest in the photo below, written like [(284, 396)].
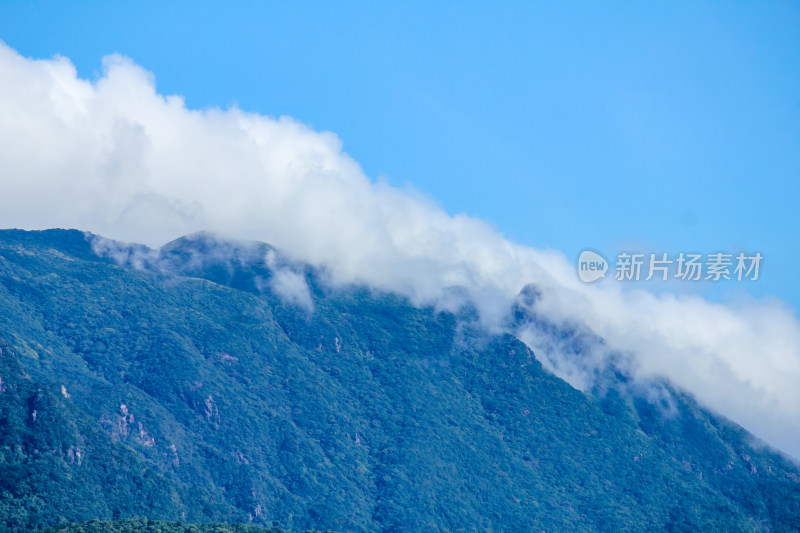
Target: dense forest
[(159, 526), (186, 384)]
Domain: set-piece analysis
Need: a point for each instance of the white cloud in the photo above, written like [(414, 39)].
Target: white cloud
[(114, 157), (289, 285)]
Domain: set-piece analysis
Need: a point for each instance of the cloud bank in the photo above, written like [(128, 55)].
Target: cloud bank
[(114, 157)]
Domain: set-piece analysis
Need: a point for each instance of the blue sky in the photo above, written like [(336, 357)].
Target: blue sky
[(660, 127)]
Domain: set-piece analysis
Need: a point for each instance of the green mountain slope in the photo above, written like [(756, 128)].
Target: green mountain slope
[(195, 389)]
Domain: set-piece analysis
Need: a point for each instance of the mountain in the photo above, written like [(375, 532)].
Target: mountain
[(213, 381)]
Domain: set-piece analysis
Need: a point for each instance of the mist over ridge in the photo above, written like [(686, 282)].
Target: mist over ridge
[(118, 159)]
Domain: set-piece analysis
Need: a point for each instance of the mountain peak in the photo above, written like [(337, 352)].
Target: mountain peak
[(366, 413)]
